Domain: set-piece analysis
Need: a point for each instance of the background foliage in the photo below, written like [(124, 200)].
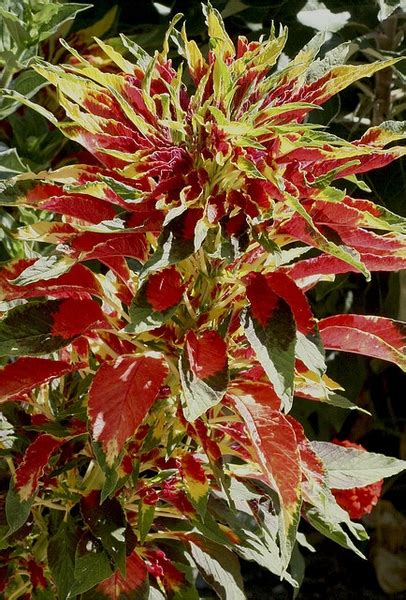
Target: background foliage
[(373, 30)]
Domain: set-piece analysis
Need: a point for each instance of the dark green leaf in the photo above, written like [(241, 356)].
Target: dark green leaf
[(61, 556), (17, 511), (92, 565), (107, 522)]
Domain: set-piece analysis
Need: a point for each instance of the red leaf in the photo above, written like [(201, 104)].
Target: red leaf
[(43, 191), (366, 162), (124, 288), (100, 245), (263, 300), (135, 582), (330, 265), (286, 288), (277, 452), (192, 467), (172, 578), (367, 241), (121, 394), (195, 481), (24, 374), (164, 290), (35, 460), (79, 282), (348, 216), (207, 354), (79, 206), (75, 317), (36, 571), (372, 336), (252, 386), (260, 391)]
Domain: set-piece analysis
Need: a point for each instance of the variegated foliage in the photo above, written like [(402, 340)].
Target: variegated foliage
[(168, 303)]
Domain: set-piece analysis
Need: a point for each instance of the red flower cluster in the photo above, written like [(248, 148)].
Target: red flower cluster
[(358, 501)]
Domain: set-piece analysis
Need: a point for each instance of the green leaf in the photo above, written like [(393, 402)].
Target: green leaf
[(297, 568), (143, 59), (17, 510), (10, 163), (328, 517), (176, 242), (350, 467), (92, 565), (155, 594), (61, 556), (52, 16), (27, 83), (331, 529), (342, 402), (146, 514), (110, 472), (219, 567), (107, 523), (197, 396), (387, 7), (16, 28)]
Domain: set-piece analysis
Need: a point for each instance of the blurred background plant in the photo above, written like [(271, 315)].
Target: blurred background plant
[(371, 30)]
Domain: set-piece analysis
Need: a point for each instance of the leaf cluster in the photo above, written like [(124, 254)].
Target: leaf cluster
[(156, 328)]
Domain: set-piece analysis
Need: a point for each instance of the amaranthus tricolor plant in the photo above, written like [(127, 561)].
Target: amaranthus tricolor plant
[(161, 329)]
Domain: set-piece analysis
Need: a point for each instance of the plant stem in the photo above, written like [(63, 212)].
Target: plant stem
[(387, 40)]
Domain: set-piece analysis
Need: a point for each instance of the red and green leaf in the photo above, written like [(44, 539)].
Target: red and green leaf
[(156, 300), (43, 327), (309, 348), (204, 372), (309, 271), (270, 328), (31, 279)]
